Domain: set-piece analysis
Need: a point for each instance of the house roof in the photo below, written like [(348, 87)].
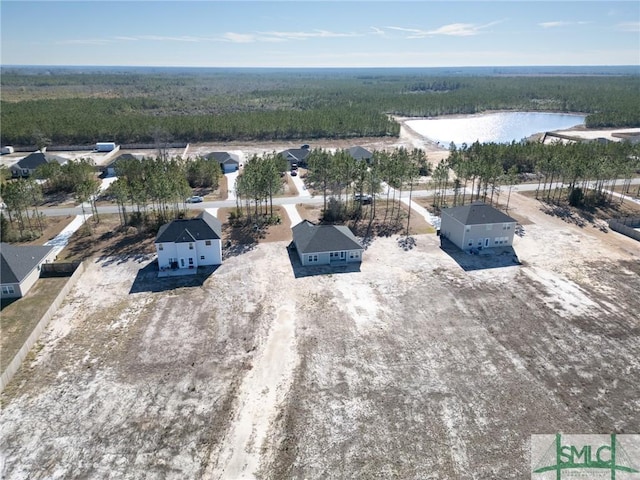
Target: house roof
[(360, 153), (311, 238), (203, 227), (35, 159), (18, 261), (296, 154), (121, 158), (478, 213), (221, 157)]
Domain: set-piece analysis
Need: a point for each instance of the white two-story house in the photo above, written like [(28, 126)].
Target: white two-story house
[(188, 244)]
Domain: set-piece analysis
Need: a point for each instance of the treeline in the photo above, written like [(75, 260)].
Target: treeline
[(128, 108), (578, 173)]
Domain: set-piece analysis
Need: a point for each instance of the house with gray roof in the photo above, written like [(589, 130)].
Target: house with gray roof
[(360, 154), (20, 267), (228, 163), (296, 155), (28, 165), (185, 244), (477, 226), (325, 244), (110, 168)]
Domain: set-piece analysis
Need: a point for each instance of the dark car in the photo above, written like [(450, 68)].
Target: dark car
[(294, 173)]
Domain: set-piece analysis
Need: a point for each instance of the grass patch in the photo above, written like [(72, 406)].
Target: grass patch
[(19, 317)]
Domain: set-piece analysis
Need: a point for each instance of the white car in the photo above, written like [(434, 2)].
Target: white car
[(194, 199)]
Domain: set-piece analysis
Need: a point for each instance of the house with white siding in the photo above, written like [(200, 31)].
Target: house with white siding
[(20, 267), (325, 244), (477, 226), (184, 245)]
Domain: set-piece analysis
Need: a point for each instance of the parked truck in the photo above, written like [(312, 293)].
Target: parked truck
[(105, 146)]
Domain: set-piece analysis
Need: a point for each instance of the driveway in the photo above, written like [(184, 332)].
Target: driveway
[(302, 188), (293, 214), (231, 184)]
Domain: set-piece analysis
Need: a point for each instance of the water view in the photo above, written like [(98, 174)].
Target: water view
[(501, 127)]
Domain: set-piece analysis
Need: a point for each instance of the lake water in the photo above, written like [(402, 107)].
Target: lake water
[(501, 127)]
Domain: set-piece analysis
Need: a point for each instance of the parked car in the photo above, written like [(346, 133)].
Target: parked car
[(195, 199), (294, 166), (364, 198), (304, 147), (294, 173)]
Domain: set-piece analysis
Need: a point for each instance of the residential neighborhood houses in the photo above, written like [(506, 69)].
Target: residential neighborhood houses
[(205, 312)]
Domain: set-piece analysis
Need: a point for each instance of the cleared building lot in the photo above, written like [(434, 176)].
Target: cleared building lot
[(409, 368)]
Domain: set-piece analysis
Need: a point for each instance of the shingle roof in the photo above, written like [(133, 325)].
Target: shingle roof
[(18, 261), (360, 153), (310, 238), (35, 159), (296, 154), (122, 158), (221, 157), (477, 213), (203, 227)]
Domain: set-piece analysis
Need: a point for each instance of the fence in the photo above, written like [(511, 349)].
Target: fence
[(14, 365), (626, 226), (58, 269)]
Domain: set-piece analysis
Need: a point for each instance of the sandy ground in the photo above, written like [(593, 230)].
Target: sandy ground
[(418, 364)]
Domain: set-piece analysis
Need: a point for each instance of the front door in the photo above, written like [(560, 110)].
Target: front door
[(182, 263), (486, 242)]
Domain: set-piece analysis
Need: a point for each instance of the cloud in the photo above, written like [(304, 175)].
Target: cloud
[(560, 23), (239, 37), (377, 31), (160, 38), (306, 35), (85, 41), (451, 29), (629, 27)]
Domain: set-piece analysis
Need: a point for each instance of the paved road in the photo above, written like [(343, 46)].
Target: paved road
[(315, 200)]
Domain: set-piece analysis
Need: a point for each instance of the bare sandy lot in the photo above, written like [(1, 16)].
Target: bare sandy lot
[(409, 367)]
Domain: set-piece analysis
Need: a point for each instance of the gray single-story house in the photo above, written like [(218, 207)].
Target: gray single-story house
[(228, 162), (477, 226), (110, 168), (326, 244), (189, 243), (360, 154), (20, 267), (28, 165), (296, 155)]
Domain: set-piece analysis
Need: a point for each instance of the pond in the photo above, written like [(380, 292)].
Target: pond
[(499, 127)]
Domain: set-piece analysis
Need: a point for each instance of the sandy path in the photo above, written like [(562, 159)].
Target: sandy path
[(261, 394)]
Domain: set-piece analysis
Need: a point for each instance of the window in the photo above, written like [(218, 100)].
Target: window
[(7, 289), (312, 258), (207, 243), (160, 247), (190, 261), (201, 257), (191, 246)]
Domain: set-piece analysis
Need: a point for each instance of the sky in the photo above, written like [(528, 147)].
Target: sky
[(319, 34)]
